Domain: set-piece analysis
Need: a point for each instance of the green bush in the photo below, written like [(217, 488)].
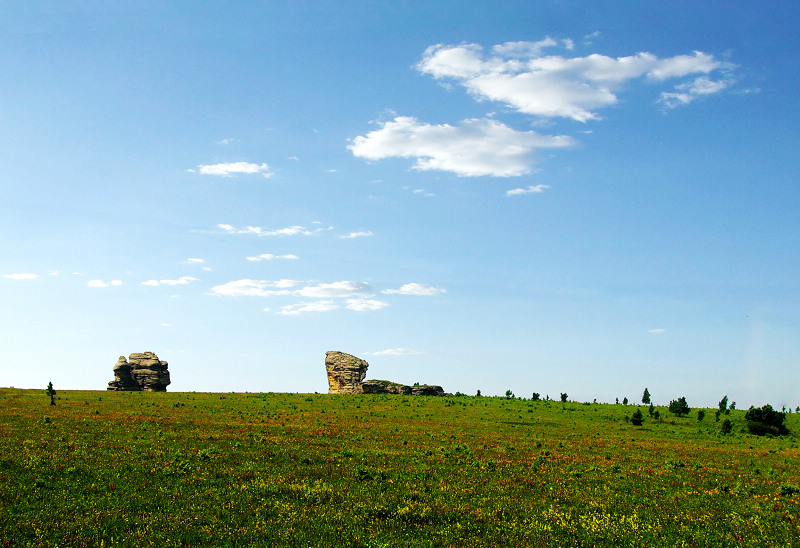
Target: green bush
[(765, 420), (727, 426), (679, 406), (636, 419)]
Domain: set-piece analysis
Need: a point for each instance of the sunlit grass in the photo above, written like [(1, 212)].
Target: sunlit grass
[(186, 469)]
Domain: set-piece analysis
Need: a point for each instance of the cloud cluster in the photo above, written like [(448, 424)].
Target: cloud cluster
[(356, 296), (233, 168), (416, 290), (295, 230), (531, 189), (271, 257), (183, 280), (521, 77), (475, 147), (21, 276)]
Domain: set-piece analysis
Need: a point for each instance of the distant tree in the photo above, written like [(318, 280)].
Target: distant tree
[(701, 414), (731, 407), (656, 414), (479, 393), (535, 396), (727, 426), (723, 403), (716, 415), (765, 420), (564, 397), (50, 392), (646, 397), (509, 394), (797, 409), (679, 407), (636, 418), (616, 401), (624, 401), (651, 409)]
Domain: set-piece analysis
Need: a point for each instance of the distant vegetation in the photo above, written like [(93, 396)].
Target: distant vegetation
[(185, 469)]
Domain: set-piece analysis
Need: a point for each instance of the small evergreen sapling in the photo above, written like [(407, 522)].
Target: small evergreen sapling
[(50, 392), (636, 418), (679, 407), (646, 397)]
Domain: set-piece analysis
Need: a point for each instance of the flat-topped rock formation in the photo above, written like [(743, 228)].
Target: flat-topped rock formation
[(140, 372), (345, 373), (346, 376), (389, 387)]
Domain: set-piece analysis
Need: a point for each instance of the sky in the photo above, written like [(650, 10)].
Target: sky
[(554, 196)]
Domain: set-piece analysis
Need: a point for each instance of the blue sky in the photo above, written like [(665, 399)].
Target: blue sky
[(580, 197)]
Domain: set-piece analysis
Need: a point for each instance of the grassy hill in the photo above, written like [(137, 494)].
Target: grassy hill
[(189, 469)]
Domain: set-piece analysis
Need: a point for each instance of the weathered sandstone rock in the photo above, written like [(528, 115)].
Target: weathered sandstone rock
[(345, 373), (384, 387), (140, 372)]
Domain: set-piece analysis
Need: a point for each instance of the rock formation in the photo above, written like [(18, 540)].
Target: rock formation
[(346, 376), (140, 372), (389, 387), (345, 373)]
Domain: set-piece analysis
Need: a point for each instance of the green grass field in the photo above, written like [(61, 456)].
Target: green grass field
[(189, 469)]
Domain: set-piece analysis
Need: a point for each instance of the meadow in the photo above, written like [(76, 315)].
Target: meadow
[(246, 469)]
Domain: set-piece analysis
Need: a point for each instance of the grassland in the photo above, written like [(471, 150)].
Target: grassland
[(187, 469)]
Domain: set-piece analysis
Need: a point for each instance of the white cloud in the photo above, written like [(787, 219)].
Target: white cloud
[(362, 234), (271, 257), (517, 75), (254, 288), (300, 308), (233, 168), (396, 352), (183, 280), (335, 289), (101, 283), (194, 261), (532, 189), (657, 331), (415, 289), (423, 192), (21, 276), (475, 148), (690, 91), (365, 305), (295, 230)]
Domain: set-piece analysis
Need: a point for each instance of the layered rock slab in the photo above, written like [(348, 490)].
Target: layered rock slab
[(345, 373), (141, 372)]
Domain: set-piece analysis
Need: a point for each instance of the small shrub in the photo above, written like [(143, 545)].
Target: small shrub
[(679, 407), (536, 396), (701, 414), (636, 418), (727, 426), (564, 397), (765, 420)]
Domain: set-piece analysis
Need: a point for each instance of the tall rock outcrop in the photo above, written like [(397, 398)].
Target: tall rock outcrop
[(140, 372), (345, 373)]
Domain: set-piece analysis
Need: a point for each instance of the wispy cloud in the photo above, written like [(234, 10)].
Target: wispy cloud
[(233, 168), (301, 308), (365, 305), (255, 288), (396, 352), (335, 289), (532, 189), (690, 91), (183, 280), (295, 230), (476, 147), (21, 276), (415, 289), (271, 257), (361, 234), (194, 261), (519, 76), (101, 283), (657, 331)]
